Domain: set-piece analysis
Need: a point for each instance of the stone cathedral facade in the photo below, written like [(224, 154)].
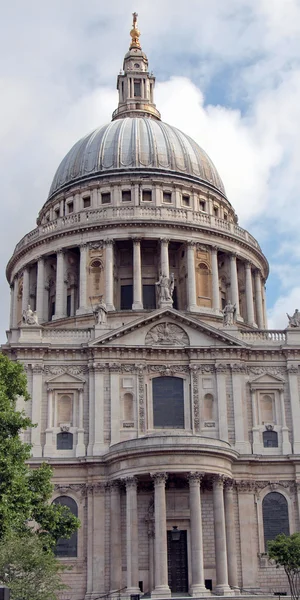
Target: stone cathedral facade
[(168, 410)]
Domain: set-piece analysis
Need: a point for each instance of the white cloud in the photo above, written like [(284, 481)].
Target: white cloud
[(277, 315)]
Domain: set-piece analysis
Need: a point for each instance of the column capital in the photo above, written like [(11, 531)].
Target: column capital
[(248, 265), (229, 484), (136, 240), (114, 485), (233, 256), (191, 243), (164, 240), (218, 481), (130, 482), (108, 242), (214, 248), (195, 477), (83, 246), (60, 251), (159, 478)]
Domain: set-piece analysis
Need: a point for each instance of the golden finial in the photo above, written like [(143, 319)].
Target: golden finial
[(135, 33)]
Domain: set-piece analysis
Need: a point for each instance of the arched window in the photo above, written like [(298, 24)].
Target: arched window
[(64, 441), (267, 409), (208, 407), (67, 547), (275, 516), (270, 439), (168, 402), (128, 407), (64, 409)]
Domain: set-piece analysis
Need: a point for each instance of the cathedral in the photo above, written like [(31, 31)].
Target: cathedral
[(168, 410)]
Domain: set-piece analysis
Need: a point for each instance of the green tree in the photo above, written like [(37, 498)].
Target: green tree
[(24, 492), (31, 572), (285, 551)]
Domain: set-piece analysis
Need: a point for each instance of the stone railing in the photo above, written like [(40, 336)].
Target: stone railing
[(67, 334), (136, 213), (260, 336)]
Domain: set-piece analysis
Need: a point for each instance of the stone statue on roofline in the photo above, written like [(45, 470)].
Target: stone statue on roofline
[(100, 313), (229, 314), (29, 316), (294, 321)]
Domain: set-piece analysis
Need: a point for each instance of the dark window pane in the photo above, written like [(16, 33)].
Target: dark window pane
[(270, 439), (126, 297), (137, 89), (68, 306), (67, 547), (126, 196), (149, 296), (168, 402), (275, 516), (86, 201), (64, 441), (167, 197), (105, 198), (147, 196)]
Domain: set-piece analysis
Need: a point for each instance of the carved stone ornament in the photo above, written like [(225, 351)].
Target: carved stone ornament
[(159, 478), (294, 321), (246, 486), (142, 420), (229, 484), (195, 388), (195, 477), (267, 370), (130, 482), (65, 427), (293, 369), (218, 480), (239, 368), (167, 334), (220, 368), (72, 487), (269, 427)]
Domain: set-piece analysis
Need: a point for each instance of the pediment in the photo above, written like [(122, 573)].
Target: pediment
[(266, 380), (167, 327), (66, 378)]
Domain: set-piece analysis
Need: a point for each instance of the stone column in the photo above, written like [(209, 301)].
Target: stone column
[(60, 304), (295, 405), (15, 303), (242, 444), (48, 448), (162, 589), (230, 535), (109, 275), (80, 447), (164, 257), (137, 276), (83, 305), (98, 556), (115, 536), (234, 284), (40, 289), (25, 294), (36, 410), (222, 587), (257, 445), (132, 550), (286, 445), (221, 370), (191, 278), (91, 410), (197, 586), (98, 409), (215, 280), (258, 301), (115, 416), (249, 294), (264, 306)]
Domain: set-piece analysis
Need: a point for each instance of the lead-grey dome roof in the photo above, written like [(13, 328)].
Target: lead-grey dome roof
[(135, 143)]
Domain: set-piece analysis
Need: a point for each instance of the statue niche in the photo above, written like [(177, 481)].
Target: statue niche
[(167, 334)]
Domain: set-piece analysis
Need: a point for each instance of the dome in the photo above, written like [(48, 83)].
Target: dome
[(135, 143)]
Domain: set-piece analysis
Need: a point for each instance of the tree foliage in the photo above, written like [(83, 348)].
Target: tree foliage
[(24, 492), (30, 571), (285, 551)]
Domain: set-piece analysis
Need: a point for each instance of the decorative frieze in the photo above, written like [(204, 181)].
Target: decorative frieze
[(196, 408), (141, 399)]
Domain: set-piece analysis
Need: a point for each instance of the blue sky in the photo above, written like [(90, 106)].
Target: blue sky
[(228, 74)]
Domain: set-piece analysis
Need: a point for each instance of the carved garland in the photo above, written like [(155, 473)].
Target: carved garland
[(142, 423)]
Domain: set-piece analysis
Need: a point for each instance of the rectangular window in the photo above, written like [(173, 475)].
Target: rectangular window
[(149, 297), (105, 198), (137, 89), (202, 205), (225, 217), (126, 297), (216, 211), (86, 201), (56, 213), (70, 207), (147, 196), (126, 196), (168, 402), (186, 200), (167, 197)]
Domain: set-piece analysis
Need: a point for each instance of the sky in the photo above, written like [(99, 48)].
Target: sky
[(227, 74)]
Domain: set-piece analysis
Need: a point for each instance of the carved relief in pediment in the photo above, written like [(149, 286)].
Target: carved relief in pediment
[(167, 334)]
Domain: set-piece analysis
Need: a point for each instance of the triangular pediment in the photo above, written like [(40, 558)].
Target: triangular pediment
[(167, 327), (266, 380), (65, 377)]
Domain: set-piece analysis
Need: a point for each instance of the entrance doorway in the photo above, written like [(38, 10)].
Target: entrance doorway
[(177, 563)]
